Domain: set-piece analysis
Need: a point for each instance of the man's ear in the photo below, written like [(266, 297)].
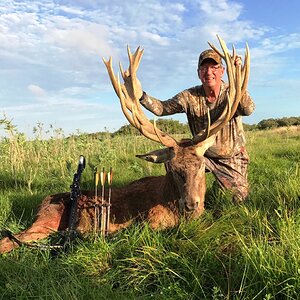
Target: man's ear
[(198, 71), (223, 70)]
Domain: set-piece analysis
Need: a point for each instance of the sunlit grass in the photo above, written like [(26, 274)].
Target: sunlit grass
[(250, 251)]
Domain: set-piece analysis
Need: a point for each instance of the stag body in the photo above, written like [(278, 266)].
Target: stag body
[(158, 200)]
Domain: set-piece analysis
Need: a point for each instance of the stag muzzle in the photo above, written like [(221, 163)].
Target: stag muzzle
[(190, 207), (193, 208)]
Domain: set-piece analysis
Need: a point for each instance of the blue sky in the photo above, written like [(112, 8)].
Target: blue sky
[(51, 68)]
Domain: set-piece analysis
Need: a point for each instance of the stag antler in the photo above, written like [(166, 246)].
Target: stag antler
[(238, 78), (128, 93)]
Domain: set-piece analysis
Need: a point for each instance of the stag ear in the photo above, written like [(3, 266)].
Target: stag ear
[(158, 156), (203, 146)]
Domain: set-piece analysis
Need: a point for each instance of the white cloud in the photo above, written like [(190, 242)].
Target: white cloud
[(151, 37), (221, 10), (281, 43), (71, 10), (223, 17), (36, 90), (80, 36), (53, 49)]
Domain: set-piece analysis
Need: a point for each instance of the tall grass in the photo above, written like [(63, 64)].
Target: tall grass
[(249, 251)]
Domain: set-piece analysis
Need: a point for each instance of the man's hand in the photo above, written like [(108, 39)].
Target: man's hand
[(139, 89), (238, 60), (133, 87)]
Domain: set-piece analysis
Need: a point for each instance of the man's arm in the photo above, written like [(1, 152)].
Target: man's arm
[(163, 108), (246, 106)]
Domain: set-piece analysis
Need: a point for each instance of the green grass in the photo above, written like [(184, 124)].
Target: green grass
[(251, 251)]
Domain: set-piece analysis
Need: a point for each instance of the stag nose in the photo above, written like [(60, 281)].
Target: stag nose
[(189, 207)]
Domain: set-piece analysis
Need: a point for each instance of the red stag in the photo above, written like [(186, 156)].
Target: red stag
[(158, 200)]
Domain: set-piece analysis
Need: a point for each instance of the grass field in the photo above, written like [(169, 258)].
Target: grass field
[(251, 251)]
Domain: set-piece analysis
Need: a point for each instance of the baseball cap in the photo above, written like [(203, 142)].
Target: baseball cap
[(212, 54)]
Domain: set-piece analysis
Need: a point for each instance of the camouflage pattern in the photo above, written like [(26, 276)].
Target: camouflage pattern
[(227, 158), (209, 54), (231, 173)]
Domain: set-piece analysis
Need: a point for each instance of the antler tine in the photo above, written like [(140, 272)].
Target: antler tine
[(134, 59), (124, 90), (125, 108), (128, 93), (152, 131), (159, 133), (164, 138), (113, 79), (121, 70), (228, 60), (241, 81), (143, 128), (233, 52), (134, 62), (216, 49), (215, 127), (119, 89), (238, 79), (233, 58), (229, 69), (203, 135), (132, 118), (141, 121), (245, 70), (224, 118), (237, 98)]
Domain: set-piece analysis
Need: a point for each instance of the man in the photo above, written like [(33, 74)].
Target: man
[(227, 159)]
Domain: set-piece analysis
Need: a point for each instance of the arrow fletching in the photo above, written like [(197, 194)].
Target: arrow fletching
[(103, 177), (97, 175), (110, 176)]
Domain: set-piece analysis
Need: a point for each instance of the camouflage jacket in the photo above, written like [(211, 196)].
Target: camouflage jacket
[(230, 140)]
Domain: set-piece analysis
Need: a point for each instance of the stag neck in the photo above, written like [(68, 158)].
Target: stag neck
[(170, 187)]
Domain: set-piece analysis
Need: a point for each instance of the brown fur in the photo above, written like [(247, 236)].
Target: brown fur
[(139, 201), (156, 200)]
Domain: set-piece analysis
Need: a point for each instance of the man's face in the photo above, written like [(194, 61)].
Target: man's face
[(210, 73)]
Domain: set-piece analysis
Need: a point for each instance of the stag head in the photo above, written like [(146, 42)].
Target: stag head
[(185, 158)]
